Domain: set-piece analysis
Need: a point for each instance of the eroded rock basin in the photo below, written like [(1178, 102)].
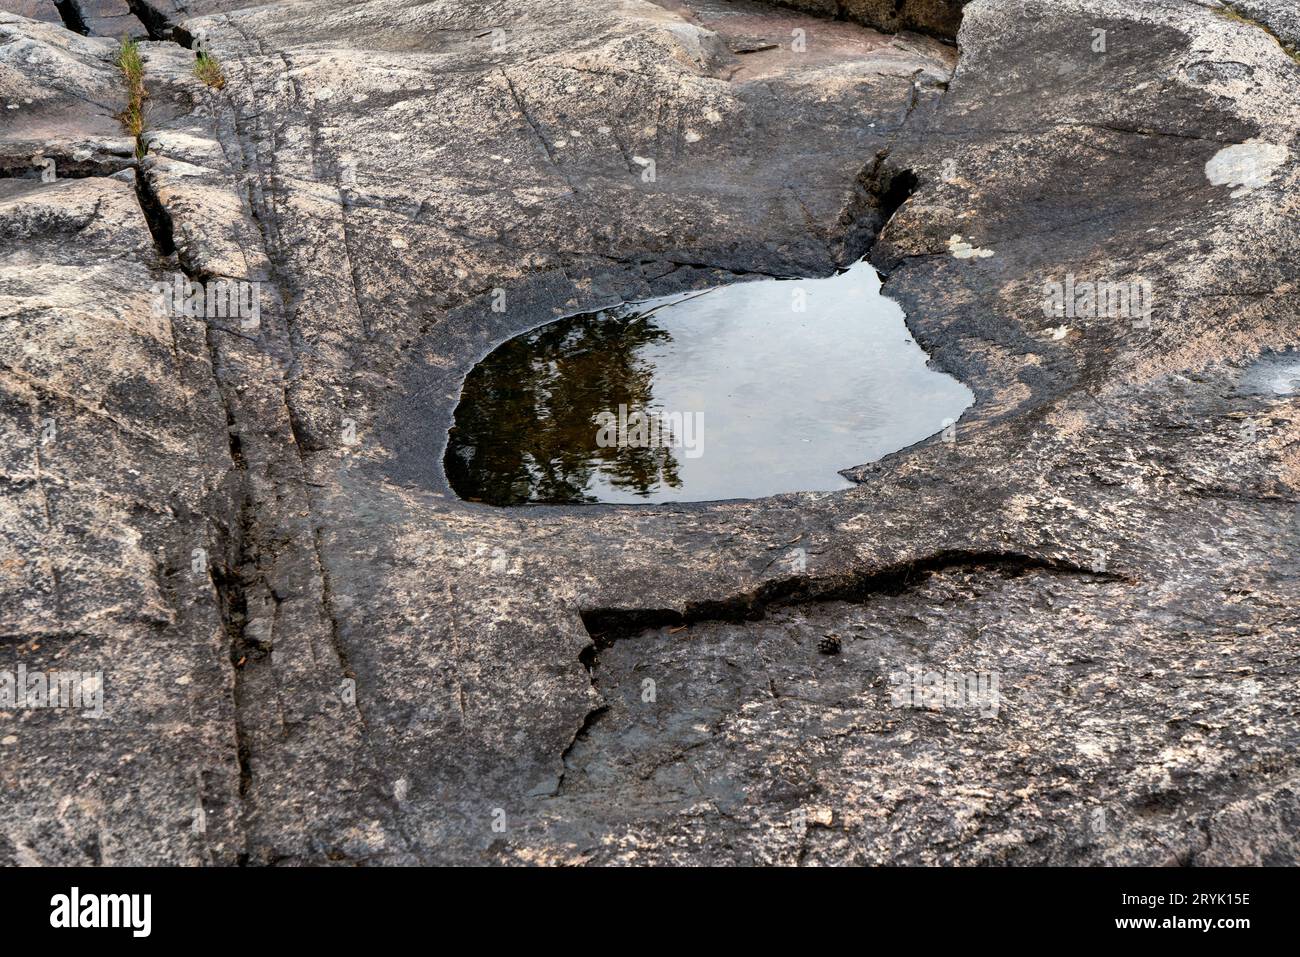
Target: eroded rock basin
[(313, 653), (736, 391)]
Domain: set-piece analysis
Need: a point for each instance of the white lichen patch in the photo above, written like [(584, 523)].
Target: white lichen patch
[(964, 250), (182, 145), (1246, 166)]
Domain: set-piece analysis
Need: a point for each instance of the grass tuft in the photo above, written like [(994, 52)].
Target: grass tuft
[(132, 66), (207, 69)]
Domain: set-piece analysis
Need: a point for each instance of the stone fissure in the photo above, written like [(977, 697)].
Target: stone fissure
[(234, 540), (154, 21), (937, 18), (608, 625), (71, 15)]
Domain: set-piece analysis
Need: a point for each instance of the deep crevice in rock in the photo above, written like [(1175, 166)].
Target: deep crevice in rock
[(156, 216), (245, 573), (234, 543), (233, 601), (880, 190), (64, 167), (940, 19), (894, 188), (71, 15), (608, 625), (584, 731), (155, 21)]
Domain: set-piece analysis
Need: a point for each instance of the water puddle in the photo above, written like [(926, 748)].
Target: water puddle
[(739, 391), (1274, 374)]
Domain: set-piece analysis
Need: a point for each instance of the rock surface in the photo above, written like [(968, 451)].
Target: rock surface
[(35, 10), (313, 652)]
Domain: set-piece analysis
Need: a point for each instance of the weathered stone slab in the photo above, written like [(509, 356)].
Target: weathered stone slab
[(110, 18), (368, 669), (33, 9)]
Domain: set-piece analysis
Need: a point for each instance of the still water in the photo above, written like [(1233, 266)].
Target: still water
[(738, 391), (1273, 374)]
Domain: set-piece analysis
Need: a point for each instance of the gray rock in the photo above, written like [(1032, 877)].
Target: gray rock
[(109, 18), (33, 9), (365, 669)]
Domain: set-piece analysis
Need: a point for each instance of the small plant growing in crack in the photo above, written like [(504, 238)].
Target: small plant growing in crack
[(132, 67), (207, 69)]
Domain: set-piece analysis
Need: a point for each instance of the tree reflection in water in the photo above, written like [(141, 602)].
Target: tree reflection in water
[(798, 379), (526, 428)]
